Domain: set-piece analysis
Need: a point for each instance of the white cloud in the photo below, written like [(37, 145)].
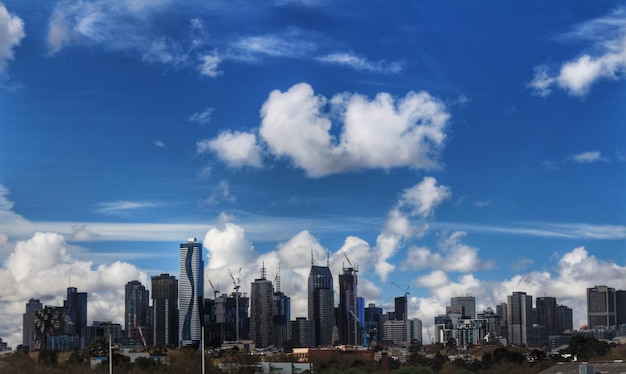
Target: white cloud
[(159, 143), (358, 63), (587, 157), (221, 193), (418, 201), (607, 61), (382, 133), (203, 117), (11, 35), (210, 64), (236, 149), (121, 208), (292, 43), (454, 256)]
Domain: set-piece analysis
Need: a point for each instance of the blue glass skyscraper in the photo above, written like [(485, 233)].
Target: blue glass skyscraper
[(190, 293)]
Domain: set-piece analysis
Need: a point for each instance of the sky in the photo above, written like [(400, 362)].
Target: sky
[(450, 147)]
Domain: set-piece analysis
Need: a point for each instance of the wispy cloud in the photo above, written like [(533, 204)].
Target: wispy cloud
[(203, 117), (587, 157), (122, 208), (606, 58), (11, 35), (351, 60), (221, 193), (293, 43)]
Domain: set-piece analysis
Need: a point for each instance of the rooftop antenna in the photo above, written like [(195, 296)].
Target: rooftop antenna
[(277, 279), (312, 258), (263, 270), (327, 259)]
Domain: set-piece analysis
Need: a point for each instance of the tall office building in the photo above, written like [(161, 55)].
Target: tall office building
[(546, 314), (620, 307), (321, 303), (302, 332), (466, 305), (347, 323), (136, 303), (28, 322), (493, 322), (372, 322), (601, 304), (76, 310), (401, 308), (165, 310), (282, 315), (564, 319), (190, 293), (261, 311), (226, 317), (520, 317)]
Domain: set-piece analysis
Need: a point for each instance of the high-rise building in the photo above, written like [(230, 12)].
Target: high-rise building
[(28, 322), (282, 315), (520, 314), (261, 311), (75, 311), (347, 322), (136, 302), (190, 293), (503, 311), (401, 308), (493, 322), (620, 307), (466, 305), (601, 307), (546, 314), (302, 332), (165, 310), (564, 319), (321, 304), (226, 316), (372, 322)]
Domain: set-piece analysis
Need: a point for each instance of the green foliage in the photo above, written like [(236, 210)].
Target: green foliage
[(48, 357), (587, 348), (412, 370)]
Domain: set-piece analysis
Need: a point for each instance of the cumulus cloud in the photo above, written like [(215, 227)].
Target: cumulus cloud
[(454, 256), (40, 268), (383, 133), (587, 157), (607, 59), (418, 202), (236, 149), (11, 35), (358, 63)]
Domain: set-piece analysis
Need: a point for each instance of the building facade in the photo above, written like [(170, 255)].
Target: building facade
[(601, 307), (347, 323), (75, 310), (136, 310), (546, 314), (520, 317), (321, 308), (190, 293), (165, 310), (28, 322), (466, 305), (262, 311)]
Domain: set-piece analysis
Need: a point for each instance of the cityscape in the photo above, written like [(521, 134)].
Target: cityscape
[(350, 176), (176, 314)]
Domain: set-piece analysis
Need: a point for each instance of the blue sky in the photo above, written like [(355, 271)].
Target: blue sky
[(450, 147)]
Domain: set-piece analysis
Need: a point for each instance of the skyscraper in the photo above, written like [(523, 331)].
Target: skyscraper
[(401, 308), (520, 317), (261, 311), (346, 321), (136, 302), (564, 319), (601, 307), (321, 303), (546, 314), (76, 310), (464, 304), (190, 293), (28, 322), (165, 309), (282, 315)]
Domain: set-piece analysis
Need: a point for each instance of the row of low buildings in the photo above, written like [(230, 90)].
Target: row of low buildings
[(519, 322)]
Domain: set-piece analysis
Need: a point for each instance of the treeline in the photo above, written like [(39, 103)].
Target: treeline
[(433, 359)]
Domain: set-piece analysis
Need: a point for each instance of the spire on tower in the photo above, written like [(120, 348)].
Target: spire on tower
[(263, 271)]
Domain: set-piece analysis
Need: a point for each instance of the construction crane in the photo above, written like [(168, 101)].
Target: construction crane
[(366, 332), (237, 284), (215, 290), (406, 300)]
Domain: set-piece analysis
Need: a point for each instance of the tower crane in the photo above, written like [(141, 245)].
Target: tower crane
[(237, 284), (215, 290), (406, 300)]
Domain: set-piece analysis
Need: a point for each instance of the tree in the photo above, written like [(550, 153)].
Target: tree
[(586, 348), (412, 370)]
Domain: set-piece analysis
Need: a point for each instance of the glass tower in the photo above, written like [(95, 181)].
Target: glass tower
[(321, 304), (190, 293)]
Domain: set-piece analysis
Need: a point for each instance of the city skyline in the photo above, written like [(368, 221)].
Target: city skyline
[(439, 145)]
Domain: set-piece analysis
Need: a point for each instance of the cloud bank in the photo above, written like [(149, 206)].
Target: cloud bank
[(11, 35)]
